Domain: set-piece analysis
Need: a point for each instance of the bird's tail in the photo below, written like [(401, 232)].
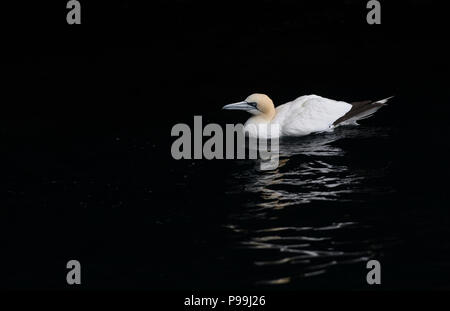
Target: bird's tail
[(361, 110)]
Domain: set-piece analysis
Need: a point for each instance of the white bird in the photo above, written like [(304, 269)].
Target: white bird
[(302, 116)]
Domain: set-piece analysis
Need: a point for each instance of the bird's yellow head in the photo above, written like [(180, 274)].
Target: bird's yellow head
[(257, 104)]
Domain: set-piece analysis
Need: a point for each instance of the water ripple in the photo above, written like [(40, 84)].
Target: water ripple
[(292, 217)]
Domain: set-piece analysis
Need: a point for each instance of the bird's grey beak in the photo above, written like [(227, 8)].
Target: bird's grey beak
[(246, 106)]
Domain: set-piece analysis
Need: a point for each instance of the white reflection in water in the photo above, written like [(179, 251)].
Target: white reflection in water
[(274, 223)]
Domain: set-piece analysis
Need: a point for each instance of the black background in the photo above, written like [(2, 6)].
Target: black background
[(208, 53), (137, 69)]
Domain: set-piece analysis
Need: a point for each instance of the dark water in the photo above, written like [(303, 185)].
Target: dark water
[(87, 174), (304, 218), (312, 216), (136, 218)]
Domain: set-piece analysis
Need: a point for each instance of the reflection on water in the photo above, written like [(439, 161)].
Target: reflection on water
[(292, 223)]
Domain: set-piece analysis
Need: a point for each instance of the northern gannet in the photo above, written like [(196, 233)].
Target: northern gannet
[(302, 116)]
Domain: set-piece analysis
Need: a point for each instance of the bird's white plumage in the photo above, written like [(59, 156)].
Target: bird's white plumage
[(302, 116)]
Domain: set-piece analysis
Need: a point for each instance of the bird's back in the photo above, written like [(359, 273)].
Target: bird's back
[(308, 114)]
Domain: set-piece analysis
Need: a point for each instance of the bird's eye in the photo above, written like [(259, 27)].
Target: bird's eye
[(253, 104)]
